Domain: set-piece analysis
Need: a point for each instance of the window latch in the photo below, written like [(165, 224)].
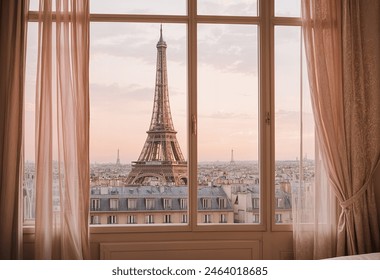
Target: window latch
[(267, 119), (194, 125)]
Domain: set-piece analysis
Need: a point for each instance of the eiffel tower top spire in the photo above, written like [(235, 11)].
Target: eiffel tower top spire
[(161, 116), (161, 38), (161, 156)]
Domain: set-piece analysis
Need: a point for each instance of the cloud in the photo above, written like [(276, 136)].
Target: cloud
[(229, 48), (138, 41)]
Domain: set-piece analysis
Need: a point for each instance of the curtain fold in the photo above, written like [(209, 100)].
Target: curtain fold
[(358, 225), (62, 131), (13, 30), (342, 46)]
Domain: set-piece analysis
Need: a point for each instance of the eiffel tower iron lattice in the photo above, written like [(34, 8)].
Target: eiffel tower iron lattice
[(161, 156)]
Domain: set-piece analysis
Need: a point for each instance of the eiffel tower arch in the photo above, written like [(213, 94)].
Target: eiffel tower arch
[(161, 157)]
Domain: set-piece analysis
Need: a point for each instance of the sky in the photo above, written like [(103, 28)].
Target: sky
[(122, 79)]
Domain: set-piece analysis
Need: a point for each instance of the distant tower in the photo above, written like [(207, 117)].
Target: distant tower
[(118, 158), (161, 156), (232, 157)]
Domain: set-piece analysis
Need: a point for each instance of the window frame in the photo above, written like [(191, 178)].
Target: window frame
[(266, 23), (95, 204), (114, 204), (112, 220)]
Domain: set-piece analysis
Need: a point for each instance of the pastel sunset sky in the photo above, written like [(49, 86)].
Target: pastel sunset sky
[(122, 82)]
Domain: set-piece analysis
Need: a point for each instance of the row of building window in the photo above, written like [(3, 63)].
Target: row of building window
[(150, 203), (149, 219), (167, 219)]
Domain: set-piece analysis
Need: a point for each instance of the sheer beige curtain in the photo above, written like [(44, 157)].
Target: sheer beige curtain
[(62, 105), (341, 35), (13, 28)]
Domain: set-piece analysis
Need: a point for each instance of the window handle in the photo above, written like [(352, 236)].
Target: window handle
[(194, 125), (267, 119)]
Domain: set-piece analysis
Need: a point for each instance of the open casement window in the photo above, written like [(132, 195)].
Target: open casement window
[(200, 115)]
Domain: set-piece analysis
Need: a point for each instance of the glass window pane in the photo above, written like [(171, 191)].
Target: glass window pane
[(29, 198), (287, 8), (228, 8), (33, 5), (294, 122), (287, 118), (138, 92), (152, 7), (228, 168)]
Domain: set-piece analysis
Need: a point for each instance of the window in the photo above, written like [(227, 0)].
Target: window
[(167, 219), (238, 116), (131, 219), (223, 218), (183, 203), (228, 109), (167, 203), (95, 204), (94, 220), (114, 204), (184, 218), (207, 218), (136, 67), (222, 203), (150, 204), (112, 219), (293, 117), (132, 203), (149, 219), (206, 203)]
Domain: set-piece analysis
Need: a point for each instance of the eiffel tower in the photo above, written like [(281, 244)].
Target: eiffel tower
[(161, 156)]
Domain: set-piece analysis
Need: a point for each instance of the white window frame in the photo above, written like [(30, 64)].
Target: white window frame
[(112, 219), (206, 203), (149, 219), (222, 202), (114, 204), (223, 218), (184, 218), (131, 203), (167, 219), (150, 203), (167, 203), (131, 219), (207, 218), (183, 203), (95, 204)]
